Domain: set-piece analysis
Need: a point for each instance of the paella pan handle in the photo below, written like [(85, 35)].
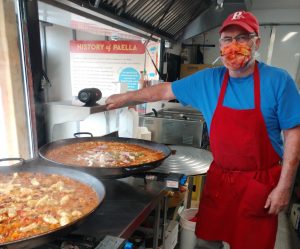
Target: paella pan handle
[(78, 134), (112, 134), (155, 112), (20, 160), (132, 169)]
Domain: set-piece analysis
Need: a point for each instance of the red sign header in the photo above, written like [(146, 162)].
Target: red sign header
[(113, 47)]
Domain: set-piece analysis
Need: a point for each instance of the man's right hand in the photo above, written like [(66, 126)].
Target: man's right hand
[(116, 101), (158, 92)]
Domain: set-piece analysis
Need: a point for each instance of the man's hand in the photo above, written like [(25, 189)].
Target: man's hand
[(116, 101), (158, 92), (278, 200)]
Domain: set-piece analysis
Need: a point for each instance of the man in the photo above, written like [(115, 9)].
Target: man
[(246, 105)]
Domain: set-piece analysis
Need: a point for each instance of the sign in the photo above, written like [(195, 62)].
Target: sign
[(101, 64)]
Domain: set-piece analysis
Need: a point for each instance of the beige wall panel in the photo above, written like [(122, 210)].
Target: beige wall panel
[(12, 84)]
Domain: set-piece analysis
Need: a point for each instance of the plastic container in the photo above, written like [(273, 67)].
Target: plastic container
[(128, 123), (188, 239), (143, 133), (135, 121)]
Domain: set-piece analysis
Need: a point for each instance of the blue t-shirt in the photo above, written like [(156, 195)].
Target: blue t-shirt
[(280, 99)]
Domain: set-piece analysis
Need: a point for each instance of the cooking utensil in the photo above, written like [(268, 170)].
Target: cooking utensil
[(37, 166), (109, 172)]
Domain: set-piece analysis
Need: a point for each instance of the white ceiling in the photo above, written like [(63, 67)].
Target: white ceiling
[(275, 4)]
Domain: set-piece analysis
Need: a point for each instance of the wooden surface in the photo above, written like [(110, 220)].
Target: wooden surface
[(188, 69), (12, 93)]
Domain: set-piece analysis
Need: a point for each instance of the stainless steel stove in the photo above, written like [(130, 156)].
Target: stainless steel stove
[(177, 126)]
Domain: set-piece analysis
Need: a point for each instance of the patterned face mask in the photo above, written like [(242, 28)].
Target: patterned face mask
[(236, 56)]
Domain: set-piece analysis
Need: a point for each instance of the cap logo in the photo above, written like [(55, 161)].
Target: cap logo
[(237, 15)]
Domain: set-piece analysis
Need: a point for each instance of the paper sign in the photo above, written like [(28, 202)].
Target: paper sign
[(99, 64)]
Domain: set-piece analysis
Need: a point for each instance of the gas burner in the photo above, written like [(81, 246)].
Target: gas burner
[(72, 241), (68, 245)]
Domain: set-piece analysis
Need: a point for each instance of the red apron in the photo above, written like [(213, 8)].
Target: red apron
[(244, 171)]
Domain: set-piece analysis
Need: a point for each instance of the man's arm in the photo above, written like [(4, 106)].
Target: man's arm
[(280, 196), (158, 92)]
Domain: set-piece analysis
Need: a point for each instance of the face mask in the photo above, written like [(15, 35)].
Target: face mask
[(236, 56)]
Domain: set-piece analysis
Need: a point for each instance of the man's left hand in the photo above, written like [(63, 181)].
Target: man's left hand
[(278, 200)]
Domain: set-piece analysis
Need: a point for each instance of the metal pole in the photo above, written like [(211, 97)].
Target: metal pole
[(164, 225), (271, 45), (20, 17), (190, 191), (156, 225)]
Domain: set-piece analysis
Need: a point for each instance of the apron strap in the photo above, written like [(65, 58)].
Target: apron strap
[(223, 88), (256, 88)]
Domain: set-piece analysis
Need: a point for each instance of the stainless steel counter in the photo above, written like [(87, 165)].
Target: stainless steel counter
[(127, 203)]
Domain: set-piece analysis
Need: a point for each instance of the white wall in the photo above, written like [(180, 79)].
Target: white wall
[(208, 38), (58, 61), (281, 16), (286, 54)]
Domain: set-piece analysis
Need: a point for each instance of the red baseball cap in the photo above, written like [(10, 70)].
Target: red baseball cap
[(244, 19)]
